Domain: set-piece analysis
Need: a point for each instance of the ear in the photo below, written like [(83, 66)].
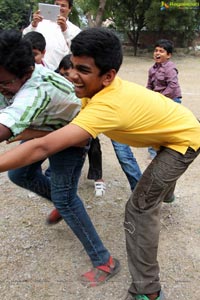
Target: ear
[(109, 77), (69, 10), (169, 55)]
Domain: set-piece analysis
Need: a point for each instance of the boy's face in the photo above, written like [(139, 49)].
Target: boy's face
[(9, 83), (85, 76), (64, 7), (160, 55), (38, 56), (65, 73)]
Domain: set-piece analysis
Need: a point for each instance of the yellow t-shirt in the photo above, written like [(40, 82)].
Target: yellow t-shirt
[(131, 114)]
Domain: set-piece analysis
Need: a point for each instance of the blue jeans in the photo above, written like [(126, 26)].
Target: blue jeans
[(152, 152), (95, 161), (128, 163), (32, 179), (178, 100), (65, 172)]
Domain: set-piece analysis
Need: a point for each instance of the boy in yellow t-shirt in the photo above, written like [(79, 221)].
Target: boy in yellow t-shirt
[(130, 114)]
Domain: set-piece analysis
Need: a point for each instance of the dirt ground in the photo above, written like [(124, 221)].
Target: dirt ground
[(38, 262)]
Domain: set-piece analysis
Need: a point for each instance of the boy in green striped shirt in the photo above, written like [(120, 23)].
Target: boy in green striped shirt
[(38, 98)]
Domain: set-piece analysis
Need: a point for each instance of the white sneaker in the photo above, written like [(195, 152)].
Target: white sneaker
[(100, 188)]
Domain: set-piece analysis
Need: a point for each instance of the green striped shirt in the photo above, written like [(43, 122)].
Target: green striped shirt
[(46, 101)]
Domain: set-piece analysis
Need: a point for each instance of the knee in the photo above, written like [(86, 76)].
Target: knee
[(15, 176)]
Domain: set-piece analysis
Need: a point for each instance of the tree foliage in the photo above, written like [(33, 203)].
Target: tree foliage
[(183, 21), (128, 17), (15, 14), (95, 11)]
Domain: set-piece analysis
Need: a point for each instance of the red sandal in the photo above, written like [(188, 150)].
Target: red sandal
[(101, 274), (54, 217)]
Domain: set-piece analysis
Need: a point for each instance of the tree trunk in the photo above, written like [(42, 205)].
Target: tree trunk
[(97, 21), (100, 13)]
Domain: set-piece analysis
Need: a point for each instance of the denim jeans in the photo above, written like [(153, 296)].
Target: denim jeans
[(142, 216), (95, 171), (178, 100), (128, 163), (32, 179), (152, 152), (65, 172)]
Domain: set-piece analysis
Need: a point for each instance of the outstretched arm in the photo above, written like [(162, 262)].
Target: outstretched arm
[(29, 134), (41, 148)]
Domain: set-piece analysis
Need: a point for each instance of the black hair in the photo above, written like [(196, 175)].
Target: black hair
[(65, 63), (165, 44), (70, 3), (16, 54), (36, 39), (102, 45)]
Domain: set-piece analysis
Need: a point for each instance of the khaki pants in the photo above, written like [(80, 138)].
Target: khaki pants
[(142, 216)]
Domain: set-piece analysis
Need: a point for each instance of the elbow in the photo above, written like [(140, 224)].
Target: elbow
[(39, 149)]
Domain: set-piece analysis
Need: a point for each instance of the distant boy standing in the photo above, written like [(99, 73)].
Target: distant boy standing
[(163, 75)]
